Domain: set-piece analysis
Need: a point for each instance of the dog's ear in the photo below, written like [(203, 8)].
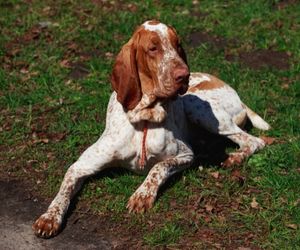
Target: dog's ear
[(182, 53), (177, 45), (125, 79)]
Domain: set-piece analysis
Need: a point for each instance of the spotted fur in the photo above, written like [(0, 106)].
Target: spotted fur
[(153, 97)]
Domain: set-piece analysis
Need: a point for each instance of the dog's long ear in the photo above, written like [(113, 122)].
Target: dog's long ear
[(178, 46), (124, 79), (182, 54)]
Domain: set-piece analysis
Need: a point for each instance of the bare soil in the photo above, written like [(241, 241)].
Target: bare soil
[(256, 59), (262, 58), (18, 209), (198, 37)]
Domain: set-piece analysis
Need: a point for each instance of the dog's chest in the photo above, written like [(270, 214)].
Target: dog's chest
[(160, 143)]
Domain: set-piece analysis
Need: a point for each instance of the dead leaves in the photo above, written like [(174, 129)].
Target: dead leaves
[(209, 207), (115, 5), (216, 175), (268, 140), (44, 137), (254, 204), (292, 226), (65, 63), (237, 176), (14, 47)]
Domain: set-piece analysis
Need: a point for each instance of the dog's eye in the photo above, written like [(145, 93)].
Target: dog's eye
[(153, 49)]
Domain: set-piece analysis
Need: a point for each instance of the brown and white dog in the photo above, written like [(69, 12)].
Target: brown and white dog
[(153, 115)]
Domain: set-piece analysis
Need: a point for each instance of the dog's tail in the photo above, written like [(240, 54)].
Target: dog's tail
[(256, 120)]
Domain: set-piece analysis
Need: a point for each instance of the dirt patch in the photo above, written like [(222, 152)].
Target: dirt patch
[(18, 209), (284, 3), (197, 38), (79, 70), (199, 14), (262, 58)]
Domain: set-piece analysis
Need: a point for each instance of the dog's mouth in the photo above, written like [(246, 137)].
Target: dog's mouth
[(183, 89), (179, 88)]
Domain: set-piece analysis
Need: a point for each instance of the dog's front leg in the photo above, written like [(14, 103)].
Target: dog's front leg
[(142, 112), (95, 158), (144, 197)]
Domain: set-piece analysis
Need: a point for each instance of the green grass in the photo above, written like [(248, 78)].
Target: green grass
[(39, 99)]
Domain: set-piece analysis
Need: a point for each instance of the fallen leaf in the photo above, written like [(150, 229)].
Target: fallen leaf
[(43, 140), (235, 205), (285, 86), (216, 174), (14, 52), (24, 70), (296, 202), (236, 175), (209, 207), (254, 204), (292, 226), (132, 7), (221, 218), (207, 219), (45, 24), (218, 184), (268, 140), (65, 63), (109, 55), (47, 9), (200, 168), (72, 46)]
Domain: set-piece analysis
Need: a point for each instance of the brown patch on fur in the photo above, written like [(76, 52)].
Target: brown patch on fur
[(214, 83), (124, 79), (147, 69), (237, 158), (175, 41), (45, 227), (240, 119), (139, 203), (136, 69)]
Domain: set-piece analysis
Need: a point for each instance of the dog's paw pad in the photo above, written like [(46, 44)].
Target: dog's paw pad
[(46, 226)]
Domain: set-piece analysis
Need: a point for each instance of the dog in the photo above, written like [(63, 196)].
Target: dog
[(153, 115)]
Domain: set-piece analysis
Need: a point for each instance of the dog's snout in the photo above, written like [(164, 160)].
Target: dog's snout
[(181, 74)]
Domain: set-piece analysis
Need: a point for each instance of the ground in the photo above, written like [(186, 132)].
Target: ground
[(17, 208), (56, 60)]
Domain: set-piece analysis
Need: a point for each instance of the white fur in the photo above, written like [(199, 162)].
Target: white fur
[(198, 78), (160, 28), (168, 142), (256, 120)]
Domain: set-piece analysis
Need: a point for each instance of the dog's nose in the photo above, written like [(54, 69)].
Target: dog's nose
[(181, 74)]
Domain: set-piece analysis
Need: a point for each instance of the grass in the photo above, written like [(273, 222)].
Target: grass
[(49, 114)]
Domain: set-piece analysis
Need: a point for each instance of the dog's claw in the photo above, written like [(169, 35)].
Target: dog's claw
[(46, 226)]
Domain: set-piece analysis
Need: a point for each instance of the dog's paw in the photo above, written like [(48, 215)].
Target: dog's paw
[(234, 159), (261, 143), (46, 226), (156, 114), (140, 203)]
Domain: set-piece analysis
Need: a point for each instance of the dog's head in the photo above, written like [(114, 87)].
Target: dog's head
[(152, 62)]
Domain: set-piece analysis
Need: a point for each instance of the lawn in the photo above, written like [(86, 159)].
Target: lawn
[(56, 58)]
